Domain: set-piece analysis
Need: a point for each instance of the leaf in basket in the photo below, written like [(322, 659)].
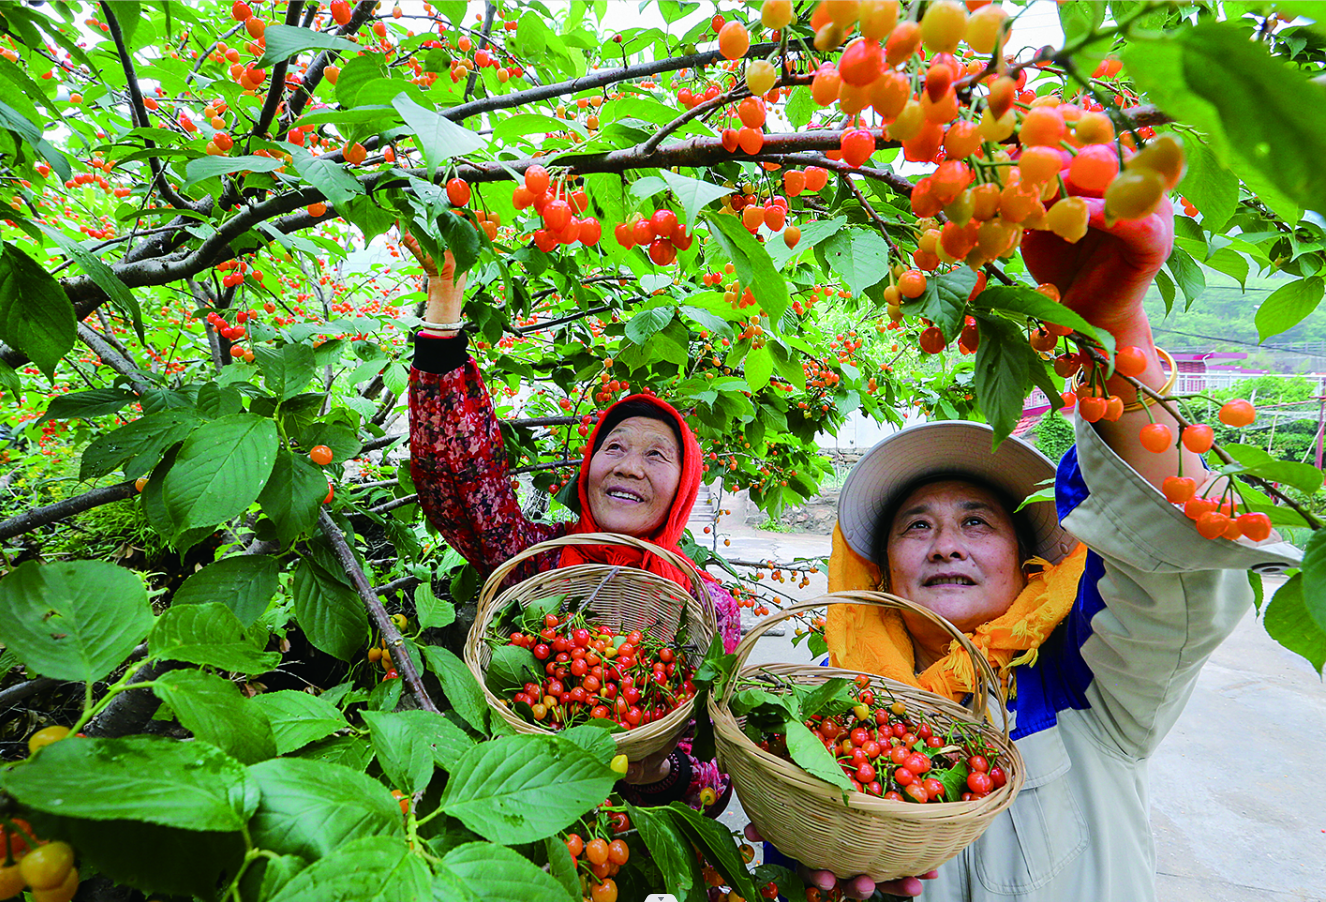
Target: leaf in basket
[(671, 851), (954, 780), (718, 846), (510, 669), (716, 668), (834, 695), (810, 754), (747, 701), (531, 617)]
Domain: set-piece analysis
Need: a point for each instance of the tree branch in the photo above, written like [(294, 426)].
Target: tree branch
[(489, 10), (60, 510), (111, 357), (345, 554), (278, 86)]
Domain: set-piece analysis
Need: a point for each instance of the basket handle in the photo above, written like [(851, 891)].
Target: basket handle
[(986, 681), (491, 587)]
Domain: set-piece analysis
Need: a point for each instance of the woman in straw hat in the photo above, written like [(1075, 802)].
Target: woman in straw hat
[(1097, 609), (640, 477)]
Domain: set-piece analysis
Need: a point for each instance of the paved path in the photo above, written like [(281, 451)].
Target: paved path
[(1238, 788)]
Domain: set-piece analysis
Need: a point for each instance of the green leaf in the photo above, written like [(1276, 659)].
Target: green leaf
[(244, 583), (800, 107), (1258, 590), (810, 754), (215, 711), (188, 785), (298, 718), (83, 405), (510, 668), (1211, 187), (832, 695), (671, 851), (438, 137), (210, 634), (1249, 103), (366, 869), (859, 256), (310, 808), (1005, 365), (1288, 306), (561, 866), (944, 301), (693, 194), (459, 685), (136, 446), (1256, 462), (329, 610), (812, 234), (357, 73), (754, 268), (1231, 263), (75, 620), (522, 788), (1289, 622), (403, 748), (1314, 572), (715, 841), (759, 367), (36, 317), (647, 323), (204, 168), (433, 612), (328, 176), (293, 495), (220, 470), (102, 276), (284, 41), (503, 874), (343, 751), (286, 370), (1187, 275), (955, 781), (1018, 299)]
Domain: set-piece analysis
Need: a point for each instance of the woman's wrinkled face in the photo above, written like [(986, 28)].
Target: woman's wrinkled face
[(633, 477), (953, 549)]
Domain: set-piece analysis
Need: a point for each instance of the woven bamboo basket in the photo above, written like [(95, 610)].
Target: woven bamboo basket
[(806, 818), (624, 598)]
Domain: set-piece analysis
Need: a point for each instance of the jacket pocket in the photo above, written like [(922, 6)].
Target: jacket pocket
[(1042, 831)]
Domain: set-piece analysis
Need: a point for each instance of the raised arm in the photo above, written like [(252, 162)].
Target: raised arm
[(1104, 277)]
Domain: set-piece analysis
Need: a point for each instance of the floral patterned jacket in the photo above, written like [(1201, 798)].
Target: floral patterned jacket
[(461, 472)]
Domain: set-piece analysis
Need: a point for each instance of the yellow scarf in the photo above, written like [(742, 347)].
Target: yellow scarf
[(875, 640)]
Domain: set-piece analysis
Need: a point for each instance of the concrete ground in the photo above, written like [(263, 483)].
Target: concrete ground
[(1238, 788)]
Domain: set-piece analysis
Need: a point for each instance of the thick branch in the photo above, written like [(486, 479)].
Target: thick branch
[(60, 510), (111, 357), (345, 554), (489, 10)]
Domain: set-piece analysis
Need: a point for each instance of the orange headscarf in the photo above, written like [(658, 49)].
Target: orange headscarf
[(670, 533), (875, 640)]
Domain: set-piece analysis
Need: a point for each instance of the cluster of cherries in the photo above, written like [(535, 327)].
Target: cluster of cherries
[(601, 852), (559, 210), (46, 869), (661, 233), (592, 672), (892, 752)]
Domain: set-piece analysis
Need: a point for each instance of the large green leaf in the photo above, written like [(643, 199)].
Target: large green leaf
[(671, 851), (433, 612), (36, 317), (1187, 275), (1211, 187), (503, 874), (1288, 306), (329, 610), (220, 470), (521, 788), (310, 808), (944, 301), (293, 495), (438, 137), (812, 233), (94, 402), (1314, 578), (1006, 366), (693, 194), (406, 747), (810, 754), (298, 718), (366, 869), (459, 685), (286, 371), (210, 634), (215, 711), (103, 277), (204, 168), (1249, 103), (1019, 299), (647, 323), (759, 367), (1256, 462), (755, 270), (285, 41), (75, 620), (244, 583), (859, 256), (1289, 622), (715, 840), (136, 446), (190, 785)]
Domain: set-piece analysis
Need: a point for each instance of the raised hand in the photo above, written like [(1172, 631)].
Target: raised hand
[(446, 293)]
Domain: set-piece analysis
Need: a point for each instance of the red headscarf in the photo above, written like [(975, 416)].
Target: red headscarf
[(667, 535)]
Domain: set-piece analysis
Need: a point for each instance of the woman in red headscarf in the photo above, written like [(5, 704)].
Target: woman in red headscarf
[(639, 477)]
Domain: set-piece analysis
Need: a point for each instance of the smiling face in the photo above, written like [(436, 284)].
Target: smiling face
[(633, 477), (952, 548)]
